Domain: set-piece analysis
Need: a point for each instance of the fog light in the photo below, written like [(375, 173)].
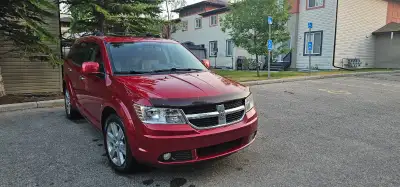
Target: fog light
[(166, 156)]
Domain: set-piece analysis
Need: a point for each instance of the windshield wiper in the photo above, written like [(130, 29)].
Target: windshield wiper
[(131, 72), (176, 69)]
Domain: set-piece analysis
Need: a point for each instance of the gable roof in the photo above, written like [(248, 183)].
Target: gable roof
[(217, 3), (391, 27)]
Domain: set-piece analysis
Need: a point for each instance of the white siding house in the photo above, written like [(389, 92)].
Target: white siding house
[(342, 29), (323, 18), (209, 35)]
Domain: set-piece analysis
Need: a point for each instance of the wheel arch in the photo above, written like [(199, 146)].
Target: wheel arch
[(107, 111)]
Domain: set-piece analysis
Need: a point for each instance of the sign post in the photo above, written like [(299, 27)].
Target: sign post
[(270, 46), (310, 47)]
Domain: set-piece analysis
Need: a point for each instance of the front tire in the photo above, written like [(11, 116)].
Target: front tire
[(70, 111), (117, 147)]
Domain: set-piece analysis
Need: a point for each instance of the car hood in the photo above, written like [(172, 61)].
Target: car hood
[(184, 88)]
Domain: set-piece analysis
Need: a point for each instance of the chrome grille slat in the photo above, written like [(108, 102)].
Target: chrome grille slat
[(213, 114), (233, 114)]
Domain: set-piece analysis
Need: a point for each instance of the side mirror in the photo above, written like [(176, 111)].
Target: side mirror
[(206, 63), (90, 67)]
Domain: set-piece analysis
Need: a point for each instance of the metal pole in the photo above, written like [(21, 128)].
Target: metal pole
[(215, 62), (269, 55), (309, 54)]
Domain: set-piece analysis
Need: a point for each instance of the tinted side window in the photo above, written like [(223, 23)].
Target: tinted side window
[(80, 53), (72, 51)]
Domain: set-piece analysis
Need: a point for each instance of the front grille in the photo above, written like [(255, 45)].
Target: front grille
[(219, 148), (234, 116), (204, 122), (211, 120), (212, 107)]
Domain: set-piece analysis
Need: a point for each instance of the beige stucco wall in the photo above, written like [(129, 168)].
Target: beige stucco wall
[(25, 76), (357, 19), (387, 51)]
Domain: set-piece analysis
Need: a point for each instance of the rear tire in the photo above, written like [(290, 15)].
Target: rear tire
[(117, 147), (70, 111)]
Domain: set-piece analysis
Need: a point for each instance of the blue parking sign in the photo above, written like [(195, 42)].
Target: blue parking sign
[(310, 25), (269, 20), (270, 45), (310, 46)]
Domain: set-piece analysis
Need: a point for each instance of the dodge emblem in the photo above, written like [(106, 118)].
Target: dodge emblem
[(221, 114)]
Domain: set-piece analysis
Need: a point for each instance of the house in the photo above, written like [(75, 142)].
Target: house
[(26, 75), (65, 24), (200, 24), (342, 33)]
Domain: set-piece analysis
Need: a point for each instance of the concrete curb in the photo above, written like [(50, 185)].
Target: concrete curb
[(272, 81), (60, 102), (31, 105)]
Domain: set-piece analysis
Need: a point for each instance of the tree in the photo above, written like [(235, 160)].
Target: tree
[(246, 22), (116, 16), (21, 23), (171, 5)]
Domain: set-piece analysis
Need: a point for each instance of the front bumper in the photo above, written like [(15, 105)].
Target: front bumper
[(191, 145)]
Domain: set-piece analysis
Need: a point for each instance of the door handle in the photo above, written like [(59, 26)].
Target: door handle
[(69, 69), (82, 78)]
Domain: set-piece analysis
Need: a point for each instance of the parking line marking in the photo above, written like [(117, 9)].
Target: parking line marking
[(384, 84), (335, 91)]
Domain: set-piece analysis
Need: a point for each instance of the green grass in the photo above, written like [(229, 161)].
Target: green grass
[(252, 75)]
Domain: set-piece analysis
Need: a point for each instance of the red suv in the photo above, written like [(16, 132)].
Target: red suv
[(155, 102)]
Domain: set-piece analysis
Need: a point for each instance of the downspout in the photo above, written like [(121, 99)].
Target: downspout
[(334, 40)]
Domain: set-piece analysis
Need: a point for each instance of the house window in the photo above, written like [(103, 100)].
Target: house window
[(315, 4), (229, 47), (213, 48), (198, 23), (316, 39), (213, 20), (184, 25)]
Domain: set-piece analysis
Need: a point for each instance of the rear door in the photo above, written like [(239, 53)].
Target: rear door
[(71, 71), (78, 55)]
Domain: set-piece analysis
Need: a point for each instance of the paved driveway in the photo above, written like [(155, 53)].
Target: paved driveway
[(330, 132)]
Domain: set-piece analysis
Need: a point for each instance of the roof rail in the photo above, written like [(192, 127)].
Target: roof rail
[(121, 34)]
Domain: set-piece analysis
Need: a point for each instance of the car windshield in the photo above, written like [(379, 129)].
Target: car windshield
[(152, 57)]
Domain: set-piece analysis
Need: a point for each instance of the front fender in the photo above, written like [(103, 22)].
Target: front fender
[(126, 116)]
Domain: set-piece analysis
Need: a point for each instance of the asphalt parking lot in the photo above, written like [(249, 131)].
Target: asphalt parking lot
[(328, 132)]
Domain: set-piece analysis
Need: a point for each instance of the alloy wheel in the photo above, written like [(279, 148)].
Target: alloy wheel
[(116, 146)]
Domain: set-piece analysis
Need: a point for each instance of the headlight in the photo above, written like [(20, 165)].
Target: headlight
[(249, 102), (154, 115)]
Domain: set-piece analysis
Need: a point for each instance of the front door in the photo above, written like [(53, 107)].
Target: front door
[(95, 89)]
